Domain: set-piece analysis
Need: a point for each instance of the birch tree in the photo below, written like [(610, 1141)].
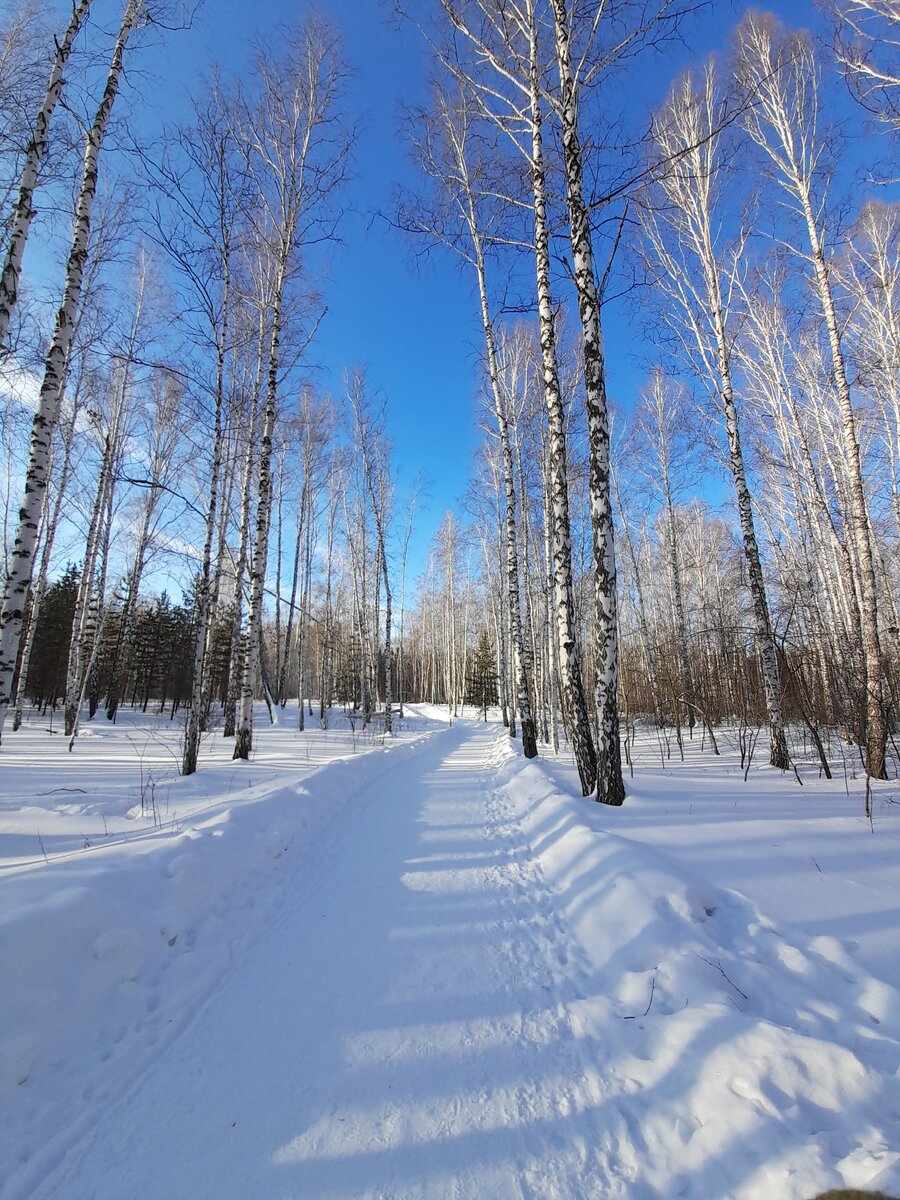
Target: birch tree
[(610, 787), (779, 70), (66, 437), (163, 432), (199, 227), (23, 211), (448, 153), (296, 153), (661, 427), (111, 433), (412, 507), (21, 568), (785, 378), (249, 385), (868, 49), (682, 221), (870, 273), (507, 76), (25, 38), (370, 445)]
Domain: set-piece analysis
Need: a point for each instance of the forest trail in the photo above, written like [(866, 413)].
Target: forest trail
[(400, 1029), (432, 970)]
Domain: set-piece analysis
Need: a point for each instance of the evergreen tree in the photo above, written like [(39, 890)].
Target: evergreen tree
[(47, 667), (482, 687)]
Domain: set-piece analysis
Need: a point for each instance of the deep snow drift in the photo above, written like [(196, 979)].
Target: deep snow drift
[(428, 969)]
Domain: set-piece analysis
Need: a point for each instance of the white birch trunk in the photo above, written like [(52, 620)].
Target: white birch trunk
[(22, 560), (240, 567), (23, 212), (87, 600), (782, 73), (244, 727), (574, 706), (303, 615), (550, 606), (40, 587), (610, 786), (519, 663), (194, 720), (295, 580), (688, 137), (858, 511)]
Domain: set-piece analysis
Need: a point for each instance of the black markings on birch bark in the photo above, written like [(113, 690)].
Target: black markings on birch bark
[(573, 700), (610, 786), (520, 665), (195, 721), (19, 577), (244, 725), (24, 212), (682, 240), (781, 71)]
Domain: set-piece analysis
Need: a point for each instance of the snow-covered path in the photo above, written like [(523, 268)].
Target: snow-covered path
[(398, 1031), (427, 970)]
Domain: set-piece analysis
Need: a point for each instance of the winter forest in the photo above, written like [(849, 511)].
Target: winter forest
[(348, 586)]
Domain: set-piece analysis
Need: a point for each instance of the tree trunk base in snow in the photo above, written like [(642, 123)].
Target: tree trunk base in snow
[(614, 792), (529, 739), (778, 756)]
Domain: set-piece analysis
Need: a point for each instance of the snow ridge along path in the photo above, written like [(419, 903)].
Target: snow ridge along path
[(461, 990)]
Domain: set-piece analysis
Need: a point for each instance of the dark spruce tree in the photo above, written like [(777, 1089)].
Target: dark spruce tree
[(46, 682), (482, 683)]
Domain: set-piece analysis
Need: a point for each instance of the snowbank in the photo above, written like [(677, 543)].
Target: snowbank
[(731, 1038)]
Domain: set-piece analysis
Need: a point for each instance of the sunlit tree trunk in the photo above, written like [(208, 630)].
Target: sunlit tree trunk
[(610, 787), (781, 71), (550, 607), (240, 568), (206, 584), (573, 699), (88, 601), (296, 155), (51, 525), (511, 555), (23, 212), (687, 136), (22, 560), (244, 725)]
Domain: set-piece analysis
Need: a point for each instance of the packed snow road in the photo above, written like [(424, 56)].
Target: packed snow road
[(430, 970), (400, 1030)]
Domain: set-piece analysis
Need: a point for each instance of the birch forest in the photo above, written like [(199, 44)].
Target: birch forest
[(703, 542)]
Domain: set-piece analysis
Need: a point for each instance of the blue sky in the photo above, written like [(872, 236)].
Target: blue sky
[(413, 326)]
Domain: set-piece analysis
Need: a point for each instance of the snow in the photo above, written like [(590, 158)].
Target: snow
[(421, 967)]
